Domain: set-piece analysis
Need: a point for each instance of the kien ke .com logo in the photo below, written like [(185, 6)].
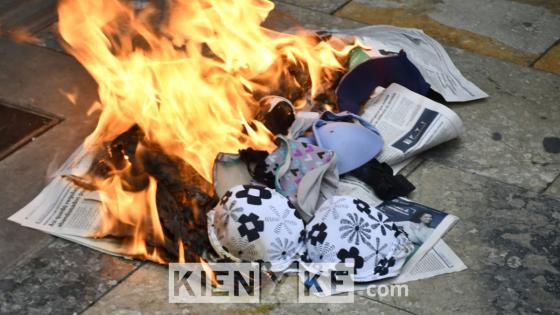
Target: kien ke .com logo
[(241, 283), (244, 283)]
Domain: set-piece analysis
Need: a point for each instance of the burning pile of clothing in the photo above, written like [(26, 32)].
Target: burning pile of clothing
[(317, 144), (315, 197)]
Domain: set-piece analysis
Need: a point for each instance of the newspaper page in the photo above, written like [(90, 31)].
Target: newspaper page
[(439, 260), (423, 225), (409, 123), (426, 54), (62, 208), (65, 210)]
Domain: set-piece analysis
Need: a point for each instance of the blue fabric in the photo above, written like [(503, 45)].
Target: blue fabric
[(344, 116), (354, 144), (357, 85)]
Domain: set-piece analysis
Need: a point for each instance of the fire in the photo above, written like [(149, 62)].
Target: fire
[(190, 79)]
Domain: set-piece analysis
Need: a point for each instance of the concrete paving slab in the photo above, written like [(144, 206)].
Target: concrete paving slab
[(507, 30), (505, 133), (508, 238), (287, 16), (521, 26), (550, 61), (146, 292), (34, 77), (317, 5), (552, 6), (62, 278), (554, 190)]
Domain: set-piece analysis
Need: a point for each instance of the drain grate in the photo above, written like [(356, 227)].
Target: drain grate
[(19, 126)]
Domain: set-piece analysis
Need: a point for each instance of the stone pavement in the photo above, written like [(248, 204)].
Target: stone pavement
[(501, 178)]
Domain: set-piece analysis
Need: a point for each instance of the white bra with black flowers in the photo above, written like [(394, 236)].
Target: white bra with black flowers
[(255, 223)]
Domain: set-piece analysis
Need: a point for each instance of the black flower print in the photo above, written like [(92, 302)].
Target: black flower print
[(229, 212), (351, 256), (281, 249), (225, 197), (305, 257), (377, 248), (296, 212), (323, 253), (282, 220), (383, 266), (250, 226), (317, 234), (302, 236), (382, 222), (242, 249), (355, 228), (398, 230), (254, 194), (362, 206)]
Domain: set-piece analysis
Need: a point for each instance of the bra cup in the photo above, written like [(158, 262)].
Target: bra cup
[(346, 229), (255, 223)]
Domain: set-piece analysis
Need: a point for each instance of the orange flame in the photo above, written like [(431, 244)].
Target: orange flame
[(209, 272), (188, 83)]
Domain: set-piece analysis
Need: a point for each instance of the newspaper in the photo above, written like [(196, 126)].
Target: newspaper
[(426, 54), (409, 123), (65, 210), (437, 261)]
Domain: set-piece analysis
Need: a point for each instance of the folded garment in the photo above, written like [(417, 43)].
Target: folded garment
[(304, 173)]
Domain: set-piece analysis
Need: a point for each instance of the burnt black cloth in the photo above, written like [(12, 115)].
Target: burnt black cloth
[(379, 176), (256, 165)]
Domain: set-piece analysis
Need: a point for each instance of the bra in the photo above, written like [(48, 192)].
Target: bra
[(255, 223), (349, 230)]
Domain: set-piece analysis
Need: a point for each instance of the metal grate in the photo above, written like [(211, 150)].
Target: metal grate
[(19, 126)]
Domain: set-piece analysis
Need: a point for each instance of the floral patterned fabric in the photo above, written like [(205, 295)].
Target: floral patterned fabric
[(304, 173), (346, 229), (255, 223)]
